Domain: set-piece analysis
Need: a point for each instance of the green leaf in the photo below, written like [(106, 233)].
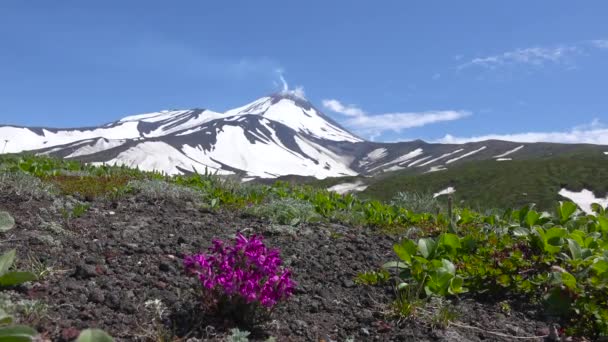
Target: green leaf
[(521, 231), (6, 260), (6, 221), (565, 210), (600, 266), (569, 280), (94, 335), (532, 217), (427, 247), (5, 318), (16, 278), (456, 286), (603, 221), (395, 265), (17, 333), (447, 267), (450, 242), (598, 209), (575, 249), (405, 250)]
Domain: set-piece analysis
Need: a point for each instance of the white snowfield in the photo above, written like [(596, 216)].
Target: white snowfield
[(606, 153), (509, 152), (436, 168), (584, 199), (503, 159), (466, 155), (399, 160), (446, 191), (348, 187)]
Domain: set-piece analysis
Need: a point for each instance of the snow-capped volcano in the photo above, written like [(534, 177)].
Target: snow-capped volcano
[(277, 135)]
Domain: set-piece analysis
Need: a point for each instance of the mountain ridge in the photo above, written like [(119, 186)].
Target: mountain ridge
[(276, 135)]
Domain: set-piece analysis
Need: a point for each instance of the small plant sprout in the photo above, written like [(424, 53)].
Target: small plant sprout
[(244, 280)]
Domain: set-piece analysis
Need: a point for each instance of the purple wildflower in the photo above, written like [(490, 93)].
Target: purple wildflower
[(247, 270)]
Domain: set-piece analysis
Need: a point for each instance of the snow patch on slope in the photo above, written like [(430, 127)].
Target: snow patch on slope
[(99, 145), (348, 187), (503, 159), (402, 159), (436, 168), (466, 155), (441, 157), (23, 139), (509, 152), (166, 158), (374, 155), (446, 191), (584, 199)]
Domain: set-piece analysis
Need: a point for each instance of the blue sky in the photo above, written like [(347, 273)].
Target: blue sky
[(468, 68)]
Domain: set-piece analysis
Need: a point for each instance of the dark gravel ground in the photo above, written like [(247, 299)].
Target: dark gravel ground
[(108, 263)]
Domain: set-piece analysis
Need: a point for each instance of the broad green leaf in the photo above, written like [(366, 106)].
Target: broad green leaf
[(6, 260), (5, 318), (94, 335), (427, 247), (456, 286), (531, 218), (600, 266), (17, 333), (6, 221), (16, 278), (575, 249), (448, 267), (405, 250), (598, 209), (395, 265), (603, 221), (521, 231), (569, 280), (450, 241), (565, 210)]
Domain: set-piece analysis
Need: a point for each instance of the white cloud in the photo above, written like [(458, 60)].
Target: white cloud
[(337, 107), (538, 56), (600, 43), (374, 125), (593, 133), (534, 56)]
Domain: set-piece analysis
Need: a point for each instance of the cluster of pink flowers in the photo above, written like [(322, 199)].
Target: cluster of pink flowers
[(247, 270)]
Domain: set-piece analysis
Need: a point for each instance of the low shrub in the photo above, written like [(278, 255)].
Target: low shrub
[(286, 211)]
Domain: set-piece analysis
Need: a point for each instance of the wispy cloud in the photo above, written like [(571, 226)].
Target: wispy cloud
[(593, 133), (537, 55), (600, 43), (534, 56), (337, 107), (375, 125)]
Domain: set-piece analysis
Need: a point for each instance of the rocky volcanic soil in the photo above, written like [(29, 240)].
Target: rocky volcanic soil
[(105, 265)]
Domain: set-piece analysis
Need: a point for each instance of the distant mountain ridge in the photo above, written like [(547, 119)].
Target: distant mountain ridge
[(276, 135)]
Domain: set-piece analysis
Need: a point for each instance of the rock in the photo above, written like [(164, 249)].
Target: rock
[(348, 283), (364, 316), (84, 271), (164, 266), (96, 296), (70, 334)]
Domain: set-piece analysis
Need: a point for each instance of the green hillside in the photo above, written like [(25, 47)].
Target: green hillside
[(492, 184)]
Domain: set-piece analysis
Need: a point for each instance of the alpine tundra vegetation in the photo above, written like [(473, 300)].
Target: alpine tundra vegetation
[(353, 268)]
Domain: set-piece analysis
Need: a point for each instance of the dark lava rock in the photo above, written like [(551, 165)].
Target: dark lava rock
[(84, 271), (96, 296)]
